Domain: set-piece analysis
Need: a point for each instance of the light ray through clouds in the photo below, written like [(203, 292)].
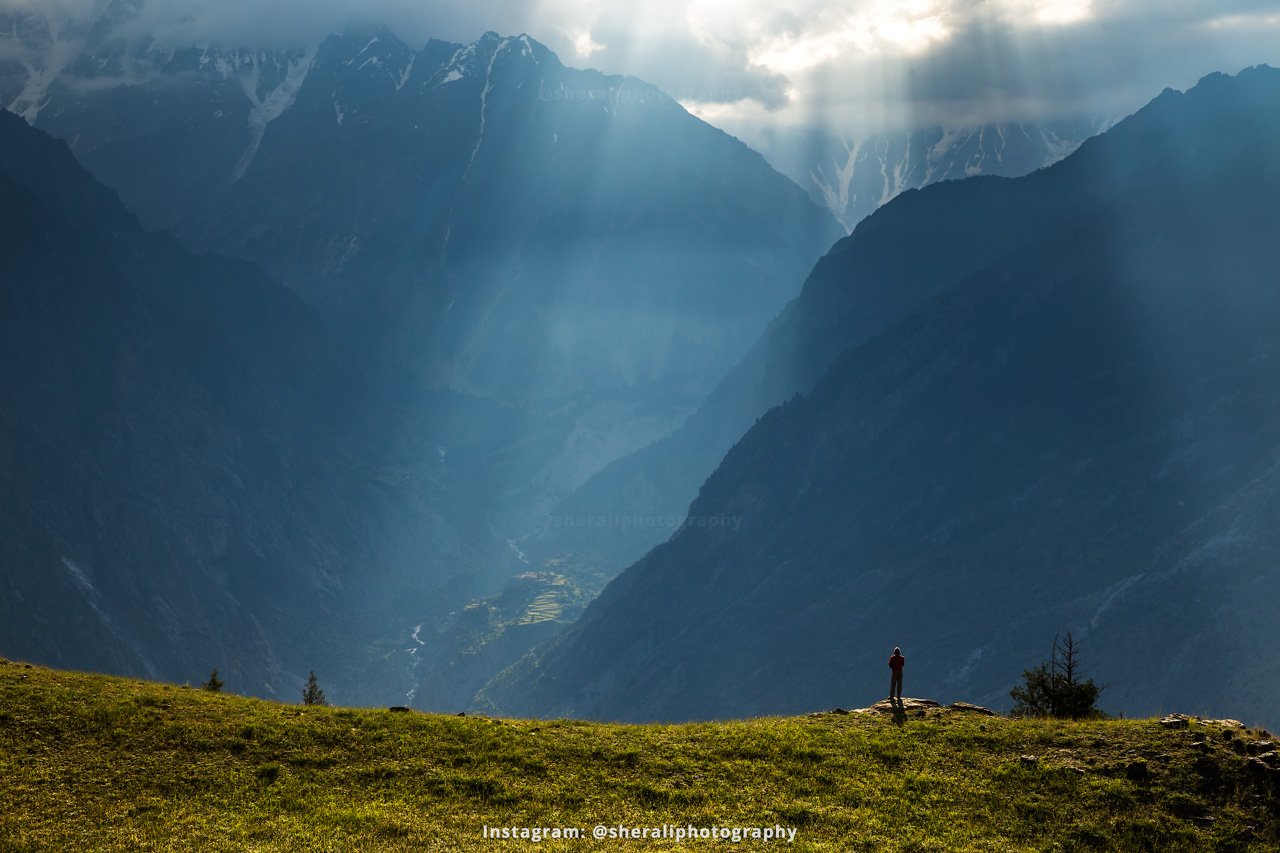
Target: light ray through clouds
[(854, 64), (874, 64)]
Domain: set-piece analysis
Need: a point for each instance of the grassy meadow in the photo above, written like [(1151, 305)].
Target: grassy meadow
[(91, 762)]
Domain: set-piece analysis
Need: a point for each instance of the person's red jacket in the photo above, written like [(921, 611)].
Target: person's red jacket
[(896, 662)]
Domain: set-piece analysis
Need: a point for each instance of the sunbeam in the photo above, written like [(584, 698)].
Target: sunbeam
[(648, 362)]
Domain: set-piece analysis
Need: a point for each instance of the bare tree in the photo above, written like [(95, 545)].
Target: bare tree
[(1056, 687)]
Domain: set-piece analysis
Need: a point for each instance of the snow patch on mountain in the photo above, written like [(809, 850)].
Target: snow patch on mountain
[(32, 97), (269, 107), (484, 105), (1056, 148), (404, 75), (835, 194), (45, 46), (853, 176)]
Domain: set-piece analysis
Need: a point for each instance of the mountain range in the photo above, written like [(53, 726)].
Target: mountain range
[(489, 218), (384, 360), (477, 217), (527, 269), (635, 502), (1070, 425)]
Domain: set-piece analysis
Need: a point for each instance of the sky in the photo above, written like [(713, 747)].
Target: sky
[(857, 66)]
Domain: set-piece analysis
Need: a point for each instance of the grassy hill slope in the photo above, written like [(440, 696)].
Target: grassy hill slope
[(90, 762)]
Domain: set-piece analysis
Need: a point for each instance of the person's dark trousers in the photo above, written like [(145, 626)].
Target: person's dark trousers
[(895, 684)]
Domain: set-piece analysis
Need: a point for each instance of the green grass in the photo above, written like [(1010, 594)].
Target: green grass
[(91, 762)]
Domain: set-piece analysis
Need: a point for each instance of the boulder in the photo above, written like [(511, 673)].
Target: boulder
[(969, 708), (886, 706), (1226, 724)]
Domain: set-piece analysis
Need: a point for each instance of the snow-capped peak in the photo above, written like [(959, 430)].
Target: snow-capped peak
[(477, 58)]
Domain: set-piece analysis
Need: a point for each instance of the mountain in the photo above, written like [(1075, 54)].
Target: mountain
[(475, 217), (543, 269), (1082, 432), (852, 177), (488, 218), (639, 500), (192, 474)]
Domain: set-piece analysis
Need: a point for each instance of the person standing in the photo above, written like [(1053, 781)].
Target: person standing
[(896, 663)]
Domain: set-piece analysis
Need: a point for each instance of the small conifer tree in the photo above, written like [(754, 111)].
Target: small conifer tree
[(1056, 688), (214, 684), (312, 694)]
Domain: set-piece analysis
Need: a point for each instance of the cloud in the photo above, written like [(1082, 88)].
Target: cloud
[(860, 67), (856, 65)]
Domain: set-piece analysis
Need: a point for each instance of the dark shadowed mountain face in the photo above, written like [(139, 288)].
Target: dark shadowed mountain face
[(1082, 434), (190, 476)]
